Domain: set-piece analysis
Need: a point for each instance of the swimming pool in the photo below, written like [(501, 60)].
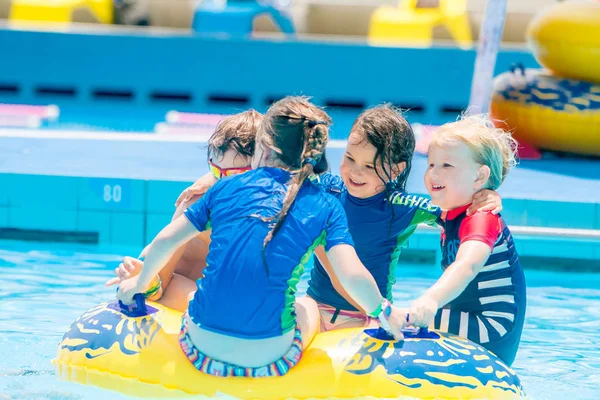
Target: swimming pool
[(45, 287)]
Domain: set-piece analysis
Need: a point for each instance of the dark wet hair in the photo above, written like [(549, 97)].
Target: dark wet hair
[(389, 132)]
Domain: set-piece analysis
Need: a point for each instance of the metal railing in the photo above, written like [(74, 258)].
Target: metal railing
[(538, 231)]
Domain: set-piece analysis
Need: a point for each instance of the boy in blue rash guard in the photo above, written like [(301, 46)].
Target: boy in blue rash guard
[(481, 295), (381, 217), (243, 319)]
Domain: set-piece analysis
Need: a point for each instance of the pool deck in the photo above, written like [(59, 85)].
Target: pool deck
[(121, 186)]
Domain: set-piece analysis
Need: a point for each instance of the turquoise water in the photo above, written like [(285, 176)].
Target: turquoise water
[(44, 288)]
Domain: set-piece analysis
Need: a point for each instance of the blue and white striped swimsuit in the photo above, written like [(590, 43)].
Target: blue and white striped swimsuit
[(491, 310)]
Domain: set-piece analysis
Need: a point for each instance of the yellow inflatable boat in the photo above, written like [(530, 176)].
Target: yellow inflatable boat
[(549, 112), (140, 356), (565, 38)]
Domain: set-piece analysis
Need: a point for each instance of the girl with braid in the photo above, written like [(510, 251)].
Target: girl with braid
[(244, 319)]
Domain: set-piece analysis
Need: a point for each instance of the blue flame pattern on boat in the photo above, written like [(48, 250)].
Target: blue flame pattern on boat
[(99, 329)]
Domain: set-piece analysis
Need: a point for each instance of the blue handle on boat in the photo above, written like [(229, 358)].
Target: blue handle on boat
[(135, 310), (409, 333)]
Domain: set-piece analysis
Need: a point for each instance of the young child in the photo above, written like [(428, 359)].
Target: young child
[(481, 294), (381, 215), (265, 225), (230, 150)]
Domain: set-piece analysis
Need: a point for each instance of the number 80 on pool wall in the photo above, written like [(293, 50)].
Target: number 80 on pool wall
[(112, 193), (108, 194)]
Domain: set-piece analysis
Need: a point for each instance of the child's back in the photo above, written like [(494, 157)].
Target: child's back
[(236, 262)]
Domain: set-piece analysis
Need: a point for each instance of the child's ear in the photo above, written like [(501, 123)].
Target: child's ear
[(483, 175), (266, 152), (397, 169), (261, 154)]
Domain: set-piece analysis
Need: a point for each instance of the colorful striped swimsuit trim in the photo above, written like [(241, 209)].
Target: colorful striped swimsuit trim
[(211, 366)]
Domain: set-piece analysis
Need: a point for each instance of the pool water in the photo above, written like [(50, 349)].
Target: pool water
[(45, 287)]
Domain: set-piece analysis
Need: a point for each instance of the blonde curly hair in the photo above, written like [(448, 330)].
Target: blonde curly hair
[(490, 145)]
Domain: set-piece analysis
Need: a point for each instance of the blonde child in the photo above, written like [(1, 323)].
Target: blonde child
[(481, 294)]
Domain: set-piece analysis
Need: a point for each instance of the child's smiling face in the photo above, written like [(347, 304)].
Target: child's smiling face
[(453, 176), (357, 169)]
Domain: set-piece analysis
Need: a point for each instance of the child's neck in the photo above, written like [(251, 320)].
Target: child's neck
[(456, 207)]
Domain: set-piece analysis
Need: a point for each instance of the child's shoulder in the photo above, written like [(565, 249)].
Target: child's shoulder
[(330, 183), (481, 226), (231, 185), (481, 219), (401, 199), (318, 200)]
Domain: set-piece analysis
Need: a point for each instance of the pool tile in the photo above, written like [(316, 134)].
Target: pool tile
[(555, 247), (155, 223), (3, 217), (597, 220), (557, 214), (112, 194), (5, 189), (96, 222), (424, 239), (44, 192), (127, 228), (513, 212), (163, 194), (42, 218)]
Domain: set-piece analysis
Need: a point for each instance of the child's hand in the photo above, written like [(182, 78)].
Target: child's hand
[(128, 268), (127, 289), (194, 192), (191, 194), (486, 200), (396, 321), (422, 311)]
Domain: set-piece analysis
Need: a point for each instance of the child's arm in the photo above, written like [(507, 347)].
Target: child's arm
[(471, 257), (486, 200), (194, 192), (131, 267), (160, 252), (322, 256), (478, 234), (361, 286), (186, 199), (162, 248)]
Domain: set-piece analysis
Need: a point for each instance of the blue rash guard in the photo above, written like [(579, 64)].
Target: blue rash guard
[(240, 295), (380, 228), (491, 310)]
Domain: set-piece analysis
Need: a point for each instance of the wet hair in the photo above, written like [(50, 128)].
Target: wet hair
[(297, 132), (490, 145), (236, 132), (389, 132)]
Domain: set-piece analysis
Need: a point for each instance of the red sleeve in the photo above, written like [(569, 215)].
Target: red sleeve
[(482, 226)]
